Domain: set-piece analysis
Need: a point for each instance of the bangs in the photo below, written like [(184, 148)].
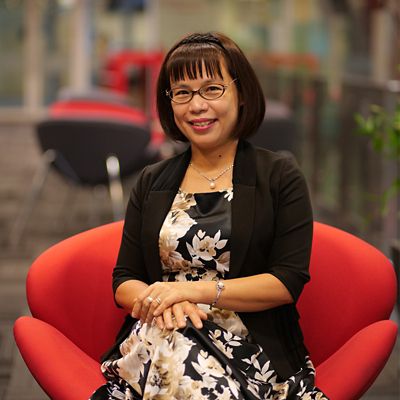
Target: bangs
[(191, 61)]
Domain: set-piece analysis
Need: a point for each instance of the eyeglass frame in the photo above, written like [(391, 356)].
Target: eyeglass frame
[(193, 92)]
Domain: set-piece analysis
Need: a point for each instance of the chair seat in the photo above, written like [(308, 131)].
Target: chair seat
[(352, 369), (62, 369)]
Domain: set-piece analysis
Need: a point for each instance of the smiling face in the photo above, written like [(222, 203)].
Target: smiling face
[(207, 124)]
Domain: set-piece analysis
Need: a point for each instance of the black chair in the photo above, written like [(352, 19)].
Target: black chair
[(95, 94), (278, 134), (88, 153)]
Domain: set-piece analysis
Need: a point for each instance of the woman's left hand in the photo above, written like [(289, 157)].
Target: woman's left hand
[(177, 315), (158, 297)]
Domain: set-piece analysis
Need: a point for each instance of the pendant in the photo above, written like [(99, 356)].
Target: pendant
[(212, 184)]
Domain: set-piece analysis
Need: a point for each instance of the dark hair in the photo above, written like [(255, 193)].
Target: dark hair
[(187, 58)]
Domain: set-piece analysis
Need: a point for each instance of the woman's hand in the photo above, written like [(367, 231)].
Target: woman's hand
[(176, 316), (158, 297)]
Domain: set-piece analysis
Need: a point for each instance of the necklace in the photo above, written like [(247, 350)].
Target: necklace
[(212, 180)]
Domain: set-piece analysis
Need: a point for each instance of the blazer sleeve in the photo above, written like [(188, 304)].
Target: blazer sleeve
[(130, 262), (290, 252)]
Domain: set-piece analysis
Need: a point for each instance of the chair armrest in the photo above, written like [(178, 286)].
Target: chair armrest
[(351, 370), (61, 368)]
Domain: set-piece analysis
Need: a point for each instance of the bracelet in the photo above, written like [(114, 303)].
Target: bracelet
[(220, 288)]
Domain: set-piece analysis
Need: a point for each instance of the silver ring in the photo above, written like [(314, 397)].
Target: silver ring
[(158, 300), (150, 299)]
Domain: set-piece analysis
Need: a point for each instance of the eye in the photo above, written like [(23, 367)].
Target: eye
[(180, 92), (213, 89)]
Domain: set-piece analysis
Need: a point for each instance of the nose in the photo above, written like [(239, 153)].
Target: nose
[(198, 104)]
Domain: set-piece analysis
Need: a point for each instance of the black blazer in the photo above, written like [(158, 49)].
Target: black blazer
[(271, 233)]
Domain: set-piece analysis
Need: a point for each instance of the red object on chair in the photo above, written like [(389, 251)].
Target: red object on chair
[(344, 313), (97, 109)]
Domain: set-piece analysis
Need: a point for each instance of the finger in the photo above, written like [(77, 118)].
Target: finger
[(137, 305), (145, 309), (192, 307), (167, 314), (179, 314), (203, 315), (195, 315), (196, 320), (160, 322), (152, 306), (163, 304), (140, 303)]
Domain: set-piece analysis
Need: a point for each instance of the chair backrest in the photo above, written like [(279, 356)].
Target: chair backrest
[(97, 110), (352, 285), (83, 145), (278, 134), (69, 286)]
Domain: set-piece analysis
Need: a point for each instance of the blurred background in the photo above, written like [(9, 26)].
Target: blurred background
[(330, 70)]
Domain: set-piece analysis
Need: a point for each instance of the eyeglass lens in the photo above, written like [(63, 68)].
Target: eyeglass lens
[(208, 92)]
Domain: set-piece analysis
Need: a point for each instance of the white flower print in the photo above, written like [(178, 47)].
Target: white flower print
[(220, 345), (190, 389), (176, 224), (265, 374), (183, 201), (231, 340), (223, 262), (228, 320), (234, 385), (131, 365), (207, 365), (117, 394), (204, 246), (281, 390), (227, 394), (227, 344), (254, 390), (229, 194)]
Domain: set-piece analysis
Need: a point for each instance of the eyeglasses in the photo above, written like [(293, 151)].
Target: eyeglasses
[(211, 91)]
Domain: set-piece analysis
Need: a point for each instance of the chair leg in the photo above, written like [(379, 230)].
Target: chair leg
[(38, 182), (115, 187), (100, 194)]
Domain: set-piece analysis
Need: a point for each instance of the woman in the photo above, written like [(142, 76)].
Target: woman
[(215, 247)]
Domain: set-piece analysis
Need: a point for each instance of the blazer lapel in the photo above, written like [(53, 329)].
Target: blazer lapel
[(158, 203), (243, 206)]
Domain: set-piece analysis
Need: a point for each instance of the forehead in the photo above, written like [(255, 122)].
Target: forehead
[(190, 63), (201, 73)]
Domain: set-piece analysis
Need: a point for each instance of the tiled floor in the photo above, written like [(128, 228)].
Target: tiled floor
[(52, 221)]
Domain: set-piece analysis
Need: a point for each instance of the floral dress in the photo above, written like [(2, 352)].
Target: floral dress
[(219, 361)]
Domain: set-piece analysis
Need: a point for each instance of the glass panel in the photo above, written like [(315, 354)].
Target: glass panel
[(11, 52), (57, 36)]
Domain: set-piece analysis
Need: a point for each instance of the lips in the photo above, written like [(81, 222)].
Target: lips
[(202, 123)]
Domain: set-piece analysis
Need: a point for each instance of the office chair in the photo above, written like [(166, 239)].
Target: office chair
[(88, 152)]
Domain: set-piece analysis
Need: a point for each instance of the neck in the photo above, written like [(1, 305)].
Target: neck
[(213, 159)]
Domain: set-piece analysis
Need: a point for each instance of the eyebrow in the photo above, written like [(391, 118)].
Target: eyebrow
[(183, 85)]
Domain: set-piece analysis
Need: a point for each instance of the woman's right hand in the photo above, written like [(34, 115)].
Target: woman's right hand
[(175, 316)]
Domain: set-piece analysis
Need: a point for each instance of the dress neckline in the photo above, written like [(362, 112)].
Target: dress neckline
[(181, 191)]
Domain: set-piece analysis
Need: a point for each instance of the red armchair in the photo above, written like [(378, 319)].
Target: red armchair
[(344, 313)]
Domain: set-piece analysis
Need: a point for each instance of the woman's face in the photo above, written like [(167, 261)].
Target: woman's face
[(207, 124)]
